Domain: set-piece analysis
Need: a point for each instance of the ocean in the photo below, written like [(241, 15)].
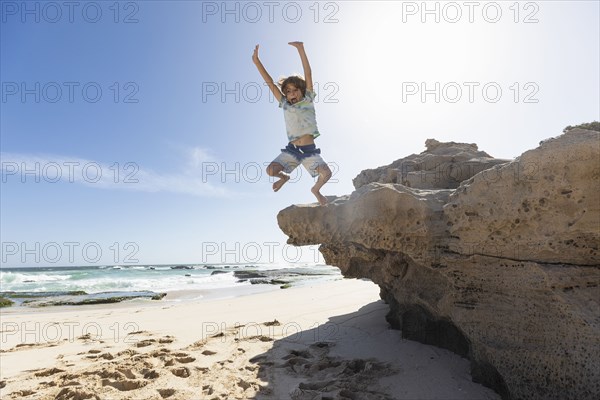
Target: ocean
[(45, 286)]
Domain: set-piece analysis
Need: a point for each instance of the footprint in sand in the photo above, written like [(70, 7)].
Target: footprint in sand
[(67, 377), (185, 360), (298, 361), (182, 372), (145, 343), (48, 372), (128, 352), (166, 393), (107, 356), (321, 346), (106, 374), (22, 346), (22, 393), (169, 362), (150, 374), (137, 333), (127, 372), (261, 338), (298, 353), (297, 364), (329, 374), (161, 353), (244, 384), (196, 345), (272, 323), (70, 383), (126, 385), (166, 340), (70, 393)]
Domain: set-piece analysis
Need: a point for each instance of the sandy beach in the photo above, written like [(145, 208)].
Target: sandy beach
[(327, 340)]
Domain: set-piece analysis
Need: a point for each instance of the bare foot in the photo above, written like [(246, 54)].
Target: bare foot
[(322, 200), (277, 185)]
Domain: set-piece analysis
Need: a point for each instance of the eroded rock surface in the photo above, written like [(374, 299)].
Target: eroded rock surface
[(503, 268), (441, 166)]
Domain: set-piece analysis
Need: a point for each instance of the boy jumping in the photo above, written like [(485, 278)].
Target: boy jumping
[(296, 97)]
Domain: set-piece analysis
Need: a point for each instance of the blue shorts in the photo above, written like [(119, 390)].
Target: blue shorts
[(293, 155)]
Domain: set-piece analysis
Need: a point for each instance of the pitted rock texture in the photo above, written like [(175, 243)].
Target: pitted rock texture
[(441, 166), (544, 206), (504, 269), (372, 216)]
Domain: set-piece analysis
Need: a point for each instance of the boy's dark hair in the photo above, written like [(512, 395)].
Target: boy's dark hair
[(295, 80)]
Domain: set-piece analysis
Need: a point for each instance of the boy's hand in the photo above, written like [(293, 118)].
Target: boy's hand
[(255, 55), (265, 75), (305, 64)]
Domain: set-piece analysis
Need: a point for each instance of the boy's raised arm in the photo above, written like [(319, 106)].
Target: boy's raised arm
[(305, 64), (267, 78)]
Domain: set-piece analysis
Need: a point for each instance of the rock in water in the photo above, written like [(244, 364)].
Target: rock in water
[(503, 268)]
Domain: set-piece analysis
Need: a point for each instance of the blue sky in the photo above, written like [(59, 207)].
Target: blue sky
[(184, 126)]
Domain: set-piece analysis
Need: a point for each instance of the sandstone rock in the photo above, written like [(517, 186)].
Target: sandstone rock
[(441, 166), (544, 206), (384, 216), (505, 269)]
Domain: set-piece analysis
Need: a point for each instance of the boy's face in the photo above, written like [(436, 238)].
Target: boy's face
[(292, 93)]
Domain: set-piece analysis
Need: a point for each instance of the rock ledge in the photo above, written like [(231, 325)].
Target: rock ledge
[(497, 260)]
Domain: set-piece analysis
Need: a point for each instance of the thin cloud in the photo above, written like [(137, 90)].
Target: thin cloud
[(198, 155)]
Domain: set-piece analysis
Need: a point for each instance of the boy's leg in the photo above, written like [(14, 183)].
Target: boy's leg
[(276, 170), (324, 175), (281, 167)]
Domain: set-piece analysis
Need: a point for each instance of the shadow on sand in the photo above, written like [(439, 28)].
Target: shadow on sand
[(357, 356)]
